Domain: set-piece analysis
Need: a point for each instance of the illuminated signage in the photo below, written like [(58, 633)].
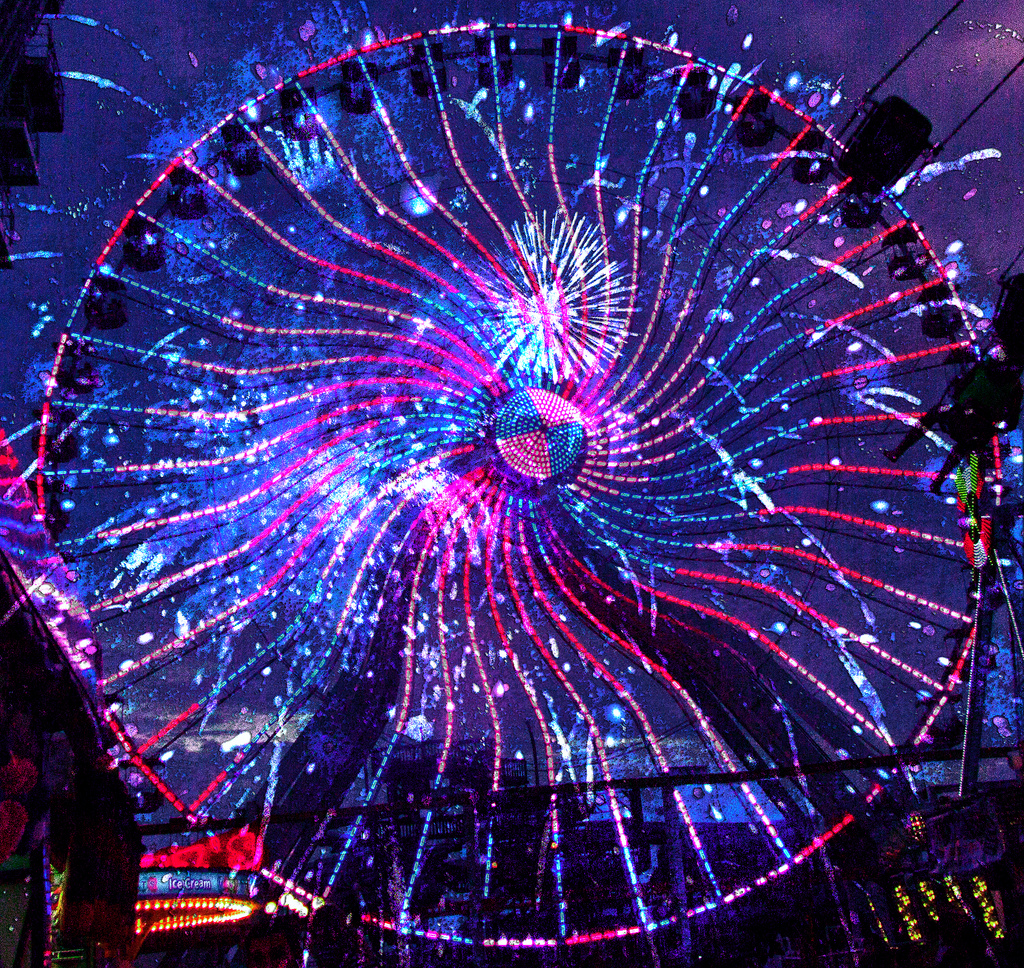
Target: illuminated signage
[(192, 883)]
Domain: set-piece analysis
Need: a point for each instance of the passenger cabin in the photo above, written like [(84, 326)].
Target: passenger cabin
[(885, 145), (1008, 323)]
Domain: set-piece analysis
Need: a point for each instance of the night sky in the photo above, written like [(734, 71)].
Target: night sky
[(200, 58)]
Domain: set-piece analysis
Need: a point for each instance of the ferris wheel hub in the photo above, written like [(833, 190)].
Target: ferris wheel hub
[(539, 434)]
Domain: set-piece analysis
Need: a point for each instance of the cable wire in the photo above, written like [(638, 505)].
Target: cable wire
[(1013, 70), (895, 67)]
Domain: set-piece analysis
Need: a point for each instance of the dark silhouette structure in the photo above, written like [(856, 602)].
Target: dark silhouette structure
[(31, 100)]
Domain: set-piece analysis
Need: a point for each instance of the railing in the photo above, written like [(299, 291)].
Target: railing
[(6, 226), (39, 46), (37, 90), (17, 19), (19, 151)]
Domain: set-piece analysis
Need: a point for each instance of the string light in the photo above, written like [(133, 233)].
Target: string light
[(183, 914), (906, 912)]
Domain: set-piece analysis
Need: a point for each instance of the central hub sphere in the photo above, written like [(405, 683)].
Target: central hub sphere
[(539, 434)]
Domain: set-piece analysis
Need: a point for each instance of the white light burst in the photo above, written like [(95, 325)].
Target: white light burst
[(576, 305)]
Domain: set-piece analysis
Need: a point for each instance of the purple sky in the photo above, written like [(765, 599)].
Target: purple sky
[(200, 59)]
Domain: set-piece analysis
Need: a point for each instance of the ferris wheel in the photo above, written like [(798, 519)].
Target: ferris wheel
[(520, 392)]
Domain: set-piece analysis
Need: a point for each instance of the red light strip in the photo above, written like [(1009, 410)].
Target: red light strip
[(304, 397), (890, 361), (485, 516), (466, 495), (510, 173), (855, 469), (179, 642), (861, 522), (167, 581), (759, 636), (144, 768), (277, 237), (889, 300), (211, 786), (399, 149), (951, 683), (831, 565), (314, 203)]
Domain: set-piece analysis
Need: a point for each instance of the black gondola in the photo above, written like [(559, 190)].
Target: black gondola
[(501, 64), (420, 69), (810, 170), (297, 107), (696, 99), (241, 154), (1008, 322), (357, 87), (568, 61), (885, 144), (756, 123), (143, 246), (633, 76), (104, 308), (186, 199)]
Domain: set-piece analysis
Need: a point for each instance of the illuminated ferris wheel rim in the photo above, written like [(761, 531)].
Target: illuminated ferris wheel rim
[(478, 28), (518, 459)]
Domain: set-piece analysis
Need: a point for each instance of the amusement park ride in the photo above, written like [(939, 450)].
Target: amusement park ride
[(543, 498)]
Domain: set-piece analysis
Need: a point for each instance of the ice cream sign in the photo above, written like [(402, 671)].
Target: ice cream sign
[(193, 883)]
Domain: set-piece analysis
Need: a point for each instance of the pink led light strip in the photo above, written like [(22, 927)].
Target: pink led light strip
[(594, 732)]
